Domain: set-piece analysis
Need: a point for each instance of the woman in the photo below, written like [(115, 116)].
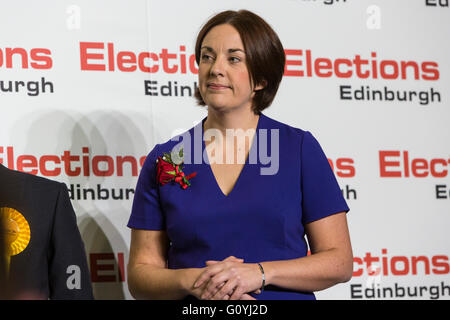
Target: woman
[(225, 229)]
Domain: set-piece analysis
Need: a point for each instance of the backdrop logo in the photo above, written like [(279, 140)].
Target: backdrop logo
[(302, 63), (100, 56), (358, 66), (72, 164), (377, 269), (400, 164), (21, 58), (400, 265)]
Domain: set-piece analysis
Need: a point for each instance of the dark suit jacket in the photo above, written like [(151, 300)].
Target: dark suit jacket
[(55, 256)]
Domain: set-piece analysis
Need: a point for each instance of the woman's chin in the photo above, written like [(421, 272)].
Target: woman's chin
[(218, 107)]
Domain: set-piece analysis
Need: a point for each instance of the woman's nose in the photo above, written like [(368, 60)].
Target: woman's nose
[(218, 67)]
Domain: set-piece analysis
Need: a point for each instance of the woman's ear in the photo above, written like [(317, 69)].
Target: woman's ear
[(260, 86)]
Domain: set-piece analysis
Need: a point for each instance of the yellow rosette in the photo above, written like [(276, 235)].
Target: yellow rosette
[(15, 233)]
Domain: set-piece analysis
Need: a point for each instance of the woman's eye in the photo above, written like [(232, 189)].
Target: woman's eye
[(235, 59), (206, 57)]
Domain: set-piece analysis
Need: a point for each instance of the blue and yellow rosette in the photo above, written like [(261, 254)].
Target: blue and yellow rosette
[(15, 233)]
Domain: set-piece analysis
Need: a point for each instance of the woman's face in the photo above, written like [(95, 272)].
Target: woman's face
[(224, 80)]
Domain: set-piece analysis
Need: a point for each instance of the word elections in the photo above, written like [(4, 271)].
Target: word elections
[(222, 149), (396, 164), (92, 57), (72, 164), (303, 63), (385, 264)]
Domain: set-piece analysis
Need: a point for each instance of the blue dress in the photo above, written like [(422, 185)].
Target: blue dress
[(261, 219)]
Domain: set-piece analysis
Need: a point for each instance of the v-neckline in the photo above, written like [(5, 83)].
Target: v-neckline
[(255, 138)]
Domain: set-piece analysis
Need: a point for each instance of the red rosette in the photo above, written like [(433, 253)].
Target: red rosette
[(167, 171)]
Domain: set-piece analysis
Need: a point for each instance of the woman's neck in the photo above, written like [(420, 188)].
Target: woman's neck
[(243, 120)]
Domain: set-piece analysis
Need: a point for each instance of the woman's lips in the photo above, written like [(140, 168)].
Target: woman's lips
[(216, 86)]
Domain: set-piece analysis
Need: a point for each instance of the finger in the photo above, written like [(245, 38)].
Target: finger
[(233, 258), (209, 272), (226, 289), (215, 268), (217, 290), (214, 284), (257, 291), (199, 282), (205, 276), (230, 258), (224, 293)]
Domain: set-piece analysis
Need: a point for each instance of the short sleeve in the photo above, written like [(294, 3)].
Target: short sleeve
[(321, 194), (146, 211)]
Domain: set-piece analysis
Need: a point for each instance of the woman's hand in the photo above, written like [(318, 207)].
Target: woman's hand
[(229, 279)]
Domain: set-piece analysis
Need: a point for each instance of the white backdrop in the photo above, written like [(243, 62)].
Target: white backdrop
[(75, 85)]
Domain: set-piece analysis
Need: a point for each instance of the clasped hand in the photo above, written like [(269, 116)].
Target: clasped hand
[(230, 279)]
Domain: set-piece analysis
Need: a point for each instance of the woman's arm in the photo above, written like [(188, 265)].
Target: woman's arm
[(148, 276), (330, 262)]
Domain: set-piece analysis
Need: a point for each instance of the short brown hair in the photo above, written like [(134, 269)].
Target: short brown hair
[(265, 55)]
